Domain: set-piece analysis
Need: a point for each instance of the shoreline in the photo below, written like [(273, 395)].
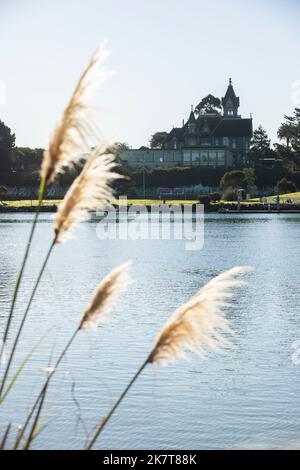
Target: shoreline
[(208, 209)]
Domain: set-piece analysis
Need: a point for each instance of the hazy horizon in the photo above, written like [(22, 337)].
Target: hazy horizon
[(165, 55)]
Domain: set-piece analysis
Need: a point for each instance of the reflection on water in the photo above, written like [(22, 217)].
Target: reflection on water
[(242, 399)]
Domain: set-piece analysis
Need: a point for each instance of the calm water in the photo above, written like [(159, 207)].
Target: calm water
[(248, 398)]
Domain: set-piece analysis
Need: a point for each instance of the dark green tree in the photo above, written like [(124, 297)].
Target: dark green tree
[(210, 104), (250, 177), (230, 194), (25, 157), (233, 179), (237, 181), (3, 191), (285, 133), (290, 129), (285, 186), (7, 144), (260, 146), (260, 139), (289, 132), (157, 140), (215, 197), (123, 186), (118, 148)]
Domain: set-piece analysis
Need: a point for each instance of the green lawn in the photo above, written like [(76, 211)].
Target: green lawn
[(295, 197), (29, 203), (155, 201), (51, 202)]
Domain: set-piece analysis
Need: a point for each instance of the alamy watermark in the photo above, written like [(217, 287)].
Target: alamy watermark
[(153, 222)]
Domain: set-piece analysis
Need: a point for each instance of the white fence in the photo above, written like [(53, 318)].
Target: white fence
[(26, 192)]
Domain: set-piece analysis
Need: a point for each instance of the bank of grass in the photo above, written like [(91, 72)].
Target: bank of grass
[(29, 203), (294, 197), (55, 202), (148, 202)]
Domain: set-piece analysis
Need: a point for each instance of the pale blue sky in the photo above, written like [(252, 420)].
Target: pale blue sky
[(166, 54)]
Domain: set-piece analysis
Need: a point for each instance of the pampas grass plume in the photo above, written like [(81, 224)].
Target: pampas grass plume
[(200, 323), (91, 187), (105, 296), (70, 140)]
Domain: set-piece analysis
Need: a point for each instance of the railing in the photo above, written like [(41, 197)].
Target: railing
[(171, 192)]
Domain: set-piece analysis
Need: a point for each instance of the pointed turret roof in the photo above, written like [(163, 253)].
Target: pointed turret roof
[(230, 95), (192, 116)]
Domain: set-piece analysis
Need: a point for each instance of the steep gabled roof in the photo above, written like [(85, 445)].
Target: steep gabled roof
[(177, 132), (218, 126), (234, 128), (191, 118), (230, 95), (208, 121)]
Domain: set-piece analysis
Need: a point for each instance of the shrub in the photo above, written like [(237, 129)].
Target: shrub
[(285, 186), (230, 194), (204, 199), (233, 179), (3, 190), (215, 197)]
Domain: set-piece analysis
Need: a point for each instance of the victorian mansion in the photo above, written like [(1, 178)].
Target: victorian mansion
[(208, 139)]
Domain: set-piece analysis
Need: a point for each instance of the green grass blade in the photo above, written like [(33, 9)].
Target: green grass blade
[(19, 371), (5, 436)]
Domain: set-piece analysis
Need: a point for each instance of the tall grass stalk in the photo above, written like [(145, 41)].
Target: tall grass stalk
[(35, 422), (193, 327), (93, 184), (105, 420), (24, 318), (42, 395), (68, 144), (103, 299), (22, 269), (5, 437)]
